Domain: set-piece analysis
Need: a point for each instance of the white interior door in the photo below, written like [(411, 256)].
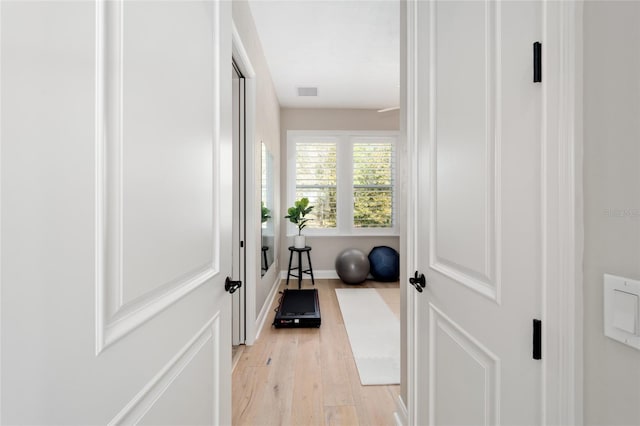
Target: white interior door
[(478, 214), (115, 228)]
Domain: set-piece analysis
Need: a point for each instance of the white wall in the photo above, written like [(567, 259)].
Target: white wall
[(325, 249), (611, 186), (267, 130)]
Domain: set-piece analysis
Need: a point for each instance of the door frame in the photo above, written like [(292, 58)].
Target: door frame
[(239, 257), (251, 241), (562, 210)]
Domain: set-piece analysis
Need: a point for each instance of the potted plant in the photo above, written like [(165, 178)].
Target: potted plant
[(266, 213), (296, 215)]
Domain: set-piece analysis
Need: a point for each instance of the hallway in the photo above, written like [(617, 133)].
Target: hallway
[(309, 376)]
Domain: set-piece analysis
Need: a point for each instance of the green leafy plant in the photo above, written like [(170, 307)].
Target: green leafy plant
[(266, 213), (297, 213)]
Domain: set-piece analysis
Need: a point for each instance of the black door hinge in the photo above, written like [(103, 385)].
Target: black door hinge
[(537, 62), (537, 339)]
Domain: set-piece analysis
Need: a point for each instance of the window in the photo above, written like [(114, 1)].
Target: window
[(373, 179), (316, 179), (349, 178)]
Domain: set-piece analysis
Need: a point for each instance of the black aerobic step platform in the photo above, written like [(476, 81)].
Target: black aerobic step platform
[(298, 308)]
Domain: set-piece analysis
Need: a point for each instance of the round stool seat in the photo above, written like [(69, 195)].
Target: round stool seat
[(299, 268)]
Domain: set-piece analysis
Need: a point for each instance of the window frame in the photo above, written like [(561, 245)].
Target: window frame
[(344, 173)]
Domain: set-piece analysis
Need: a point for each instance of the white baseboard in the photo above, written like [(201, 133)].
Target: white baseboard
[(327, 274), (401, 415), (266, 308)]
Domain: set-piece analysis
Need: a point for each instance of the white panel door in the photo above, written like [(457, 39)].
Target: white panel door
[(478, 214), (116, 177)]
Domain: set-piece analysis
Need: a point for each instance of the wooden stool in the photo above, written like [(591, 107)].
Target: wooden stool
[(301, 271)]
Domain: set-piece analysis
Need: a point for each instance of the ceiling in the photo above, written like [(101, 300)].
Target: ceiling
[(348, 49)]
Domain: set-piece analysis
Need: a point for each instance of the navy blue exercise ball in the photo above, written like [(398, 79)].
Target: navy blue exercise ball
[(384, 263), (352, 266)]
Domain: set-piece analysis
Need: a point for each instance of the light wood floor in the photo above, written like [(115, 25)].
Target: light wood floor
[(308, 376)]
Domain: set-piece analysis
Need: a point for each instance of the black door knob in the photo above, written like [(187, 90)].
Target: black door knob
[(418, 281), (232, 286)]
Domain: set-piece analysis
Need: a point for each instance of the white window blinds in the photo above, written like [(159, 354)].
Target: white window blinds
[(373, 183), (316, 179), (349, 178)]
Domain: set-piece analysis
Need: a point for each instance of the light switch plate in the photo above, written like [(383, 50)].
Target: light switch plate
[(625, 311), (622, 309)]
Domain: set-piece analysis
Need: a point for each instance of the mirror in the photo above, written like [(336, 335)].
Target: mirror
[(266, 207)]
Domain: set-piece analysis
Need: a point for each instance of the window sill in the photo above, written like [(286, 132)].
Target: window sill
[(342, 235)]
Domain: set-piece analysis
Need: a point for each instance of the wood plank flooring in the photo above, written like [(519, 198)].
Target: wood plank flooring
[(308, 376)]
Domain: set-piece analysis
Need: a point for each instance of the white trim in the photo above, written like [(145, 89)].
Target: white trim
[(238, 209), (133, 314), (355, 235), (251, 240), (485, 281), (481, 284), (344, 140), (145, 399), (322, 274), (562, 214), (476, 351), (264, 312), (100, 176), (115, 318), (357, 133), (240, 54), (401, 415), (326, 274), (409, 78), (1, 285), (332, 233)]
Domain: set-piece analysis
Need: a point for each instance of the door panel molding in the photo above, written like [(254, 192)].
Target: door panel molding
[(484, 276), (562, 399), (57, 153), (477, 353), (146, 398), (116, 315)]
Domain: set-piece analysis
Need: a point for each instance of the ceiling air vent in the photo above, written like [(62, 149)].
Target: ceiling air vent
[(307, 91)]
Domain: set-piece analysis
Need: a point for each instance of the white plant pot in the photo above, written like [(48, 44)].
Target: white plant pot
[(298, 241)]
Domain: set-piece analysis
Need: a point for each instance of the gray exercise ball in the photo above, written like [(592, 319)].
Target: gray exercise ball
[(352, 266)]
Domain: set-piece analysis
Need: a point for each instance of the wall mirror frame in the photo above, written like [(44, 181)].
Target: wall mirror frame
[(267, 245)]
